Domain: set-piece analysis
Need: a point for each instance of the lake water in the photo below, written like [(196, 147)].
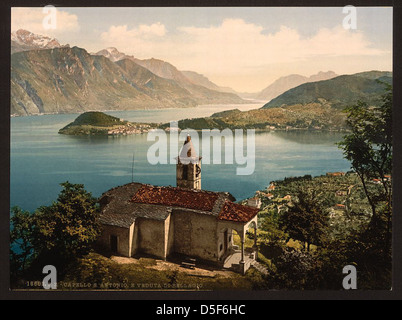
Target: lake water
[(41, 158)]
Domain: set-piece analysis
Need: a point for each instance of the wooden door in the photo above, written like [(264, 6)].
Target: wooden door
[(113, 243)]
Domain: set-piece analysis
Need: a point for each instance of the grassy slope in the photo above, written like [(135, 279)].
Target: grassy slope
[(313, 115), (354, 217), (143, 275)]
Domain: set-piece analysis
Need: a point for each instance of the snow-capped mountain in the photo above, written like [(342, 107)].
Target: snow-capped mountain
[(23, 40), (113, 54)]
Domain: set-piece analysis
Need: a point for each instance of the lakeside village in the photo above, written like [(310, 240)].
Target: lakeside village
[(134, 128), (139, 128), (342, 190), (130, 128)]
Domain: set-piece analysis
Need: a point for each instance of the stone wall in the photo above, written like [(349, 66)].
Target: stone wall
[(195, 235), (124, 239), (220, 244), (151, 237), (135, 239)]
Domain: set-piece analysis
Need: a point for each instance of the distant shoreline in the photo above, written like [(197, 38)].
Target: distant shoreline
[(142, 109)]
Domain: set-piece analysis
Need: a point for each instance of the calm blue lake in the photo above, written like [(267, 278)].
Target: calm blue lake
[(41, 158)]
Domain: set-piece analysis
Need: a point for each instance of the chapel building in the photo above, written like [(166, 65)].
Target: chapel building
[(160, 221)]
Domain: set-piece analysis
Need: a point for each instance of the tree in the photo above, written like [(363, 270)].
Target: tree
[(55, 234), (270, 232), (304, 220), (293, 270), (369, 145), (369, 149), (21, 249), (69, 226)]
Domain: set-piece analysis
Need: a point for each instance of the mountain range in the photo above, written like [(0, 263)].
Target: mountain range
[(47, 77), (190, 80), (69, 80), (337, 92), (283, 84)]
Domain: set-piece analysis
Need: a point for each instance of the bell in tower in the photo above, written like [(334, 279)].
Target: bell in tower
[(188, 168)]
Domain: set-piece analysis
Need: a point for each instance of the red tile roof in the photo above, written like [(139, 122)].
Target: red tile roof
[(176, 197), (194, 199), (237, 212)]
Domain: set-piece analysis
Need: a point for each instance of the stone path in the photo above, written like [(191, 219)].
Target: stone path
[(261, 268)]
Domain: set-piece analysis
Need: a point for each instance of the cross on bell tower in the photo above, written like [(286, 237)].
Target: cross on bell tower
[(188, 167)]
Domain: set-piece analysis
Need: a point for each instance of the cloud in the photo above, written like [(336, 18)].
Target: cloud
[(156, 29), (339, 42), (123, 33), (141, 41), (235, 45), (31, 19)]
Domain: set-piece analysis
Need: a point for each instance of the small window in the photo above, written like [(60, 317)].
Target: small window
[(221, 247), (185, 172), (197, 171)]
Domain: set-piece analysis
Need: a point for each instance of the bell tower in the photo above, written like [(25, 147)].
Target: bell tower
[(188, 167)]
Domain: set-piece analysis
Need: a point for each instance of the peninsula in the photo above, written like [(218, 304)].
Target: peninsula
[(99, 123)]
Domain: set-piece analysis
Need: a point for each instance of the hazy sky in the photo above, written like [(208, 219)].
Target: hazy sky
[(243, 48)]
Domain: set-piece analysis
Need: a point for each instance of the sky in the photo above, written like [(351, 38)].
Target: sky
[(245, 48)]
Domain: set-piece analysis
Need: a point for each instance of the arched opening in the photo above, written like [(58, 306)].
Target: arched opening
[(236, 240), (227, 242), (250, 240), (241, 247), (234, 249)]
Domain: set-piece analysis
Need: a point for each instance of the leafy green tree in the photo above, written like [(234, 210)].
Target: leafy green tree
[(70, 225), (57, 234), (270, 232), (293, 269), (369, 149), (21, 249), (329, 263), (89, 269), (304, 220), (369, 145)]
